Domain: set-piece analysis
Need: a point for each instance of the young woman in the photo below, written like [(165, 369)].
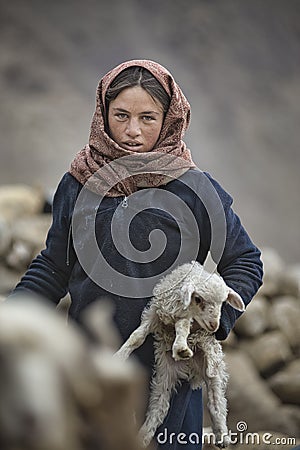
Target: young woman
[(132, 207)]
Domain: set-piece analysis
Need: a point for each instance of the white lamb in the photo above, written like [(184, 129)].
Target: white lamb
[(183, 315)]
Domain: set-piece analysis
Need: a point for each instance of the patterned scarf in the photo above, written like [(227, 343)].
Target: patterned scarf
[(102, 161)]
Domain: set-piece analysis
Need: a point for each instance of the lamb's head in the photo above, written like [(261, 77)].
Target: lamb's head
[(203, 295)]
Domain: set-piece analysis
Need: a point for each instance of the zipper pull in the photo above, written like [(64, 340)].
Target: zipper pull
[(125, 202)]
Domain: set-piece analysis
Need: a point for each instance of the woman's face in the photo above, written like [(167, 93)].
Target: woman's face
[(135, 120)]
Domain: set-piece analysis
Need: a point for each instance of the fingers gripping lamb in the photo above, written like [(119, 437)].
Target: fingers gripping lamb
[(183, 315)]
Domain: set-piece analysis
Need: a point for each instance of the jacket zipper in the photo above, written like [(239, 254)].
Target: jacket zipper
[(124, 202)]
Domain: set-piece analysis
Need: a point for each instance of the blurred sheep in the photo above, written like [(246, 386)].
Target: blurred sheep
[(58, 390)]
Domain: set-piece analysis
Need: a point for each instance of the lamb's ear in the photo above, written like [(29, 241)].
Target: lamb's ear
[(186, 294), (235, 300)]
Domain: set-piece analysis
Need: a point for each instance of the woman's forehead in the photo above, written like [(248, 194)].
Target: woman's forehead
[(136, 98)]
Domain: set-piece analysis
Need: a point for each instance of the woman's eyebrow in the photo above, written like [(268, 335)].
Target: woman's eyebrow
[(128, 112), (120, 109), (149, 112)]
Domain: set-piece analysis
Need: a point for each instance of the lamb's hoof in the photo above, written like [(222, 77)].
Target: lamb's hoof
[(222, 440), (182, 353)]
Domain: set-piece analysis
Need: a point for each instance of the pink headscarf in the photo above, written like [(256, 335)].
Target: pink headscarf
[(157, 169)]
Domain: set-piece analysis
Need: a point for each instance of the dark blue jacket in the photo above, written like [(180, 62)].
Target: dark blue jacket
[(58, 269)]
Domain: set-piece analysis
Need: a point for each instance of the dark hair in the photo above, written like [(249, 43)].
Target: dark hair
[(137, 76)]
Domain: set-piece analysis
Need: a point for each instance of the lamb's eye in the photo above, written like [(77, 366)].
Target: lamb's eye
[(199, 300)]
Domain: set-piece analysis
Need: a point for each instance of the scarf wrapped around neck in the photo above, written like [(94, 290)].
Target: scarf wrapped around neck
[(113, 171)]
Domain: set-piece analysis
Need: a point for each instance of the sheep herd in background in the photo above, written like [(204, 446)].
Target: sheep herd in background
[(60, 390)]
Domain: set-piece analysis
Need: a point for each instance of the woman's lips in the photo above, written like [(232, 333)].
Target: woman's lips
[(133, 146)]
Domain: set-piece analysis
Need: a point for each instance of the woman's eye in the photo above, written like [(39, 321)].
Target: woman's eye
[(148, 118), (121, 116)]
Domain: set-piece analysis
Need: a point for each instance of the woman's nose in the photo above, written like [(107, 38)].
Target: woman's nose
[(133, 128)]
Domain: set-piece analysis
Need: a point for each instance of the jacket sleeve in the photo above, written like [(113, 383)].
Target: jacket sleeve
[(239, 265), (48, 274)]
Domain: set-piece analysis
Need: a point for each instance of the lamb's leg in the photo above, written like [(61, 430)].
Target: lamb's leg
[(136, 339), (180, 349), (163, 384), (217, 405)]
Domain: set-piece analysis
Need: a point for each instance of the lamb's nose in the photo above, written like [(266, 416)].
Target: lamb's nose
[(213, 325)]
